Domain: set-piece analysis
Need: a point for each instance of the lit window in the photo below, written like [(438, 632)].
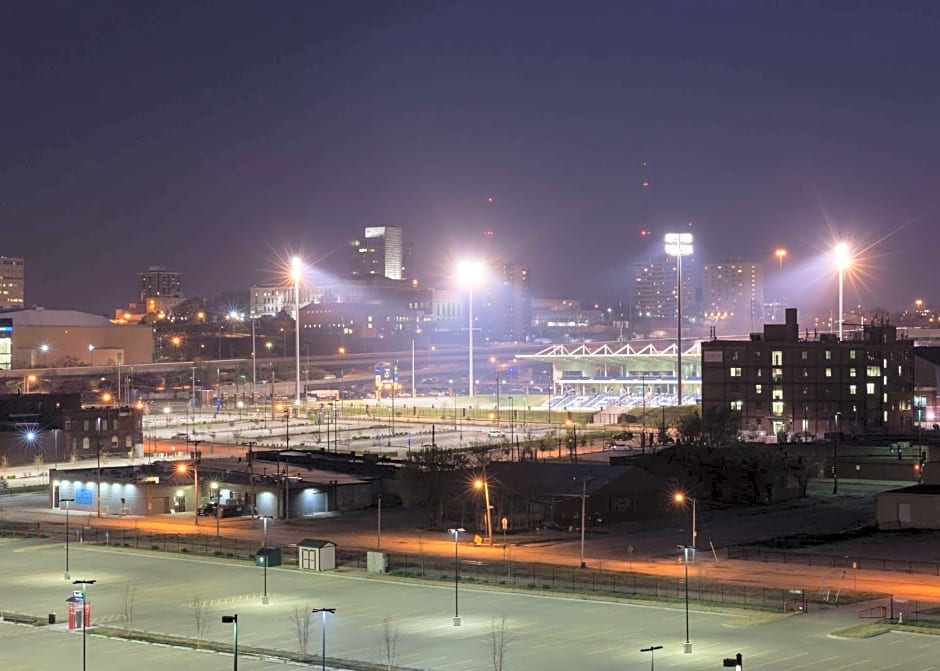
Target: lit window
[(852, 372), (735, 372), (870, 388), (828, 372), (828, 354), (853, 389), (737, 405), (873, 371), (804, 355), (778, 407), (776, 358), (758, 389), (852, 354)]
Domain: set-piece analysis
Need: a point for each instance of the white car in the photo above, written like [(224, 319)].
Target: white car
[(496, 434)]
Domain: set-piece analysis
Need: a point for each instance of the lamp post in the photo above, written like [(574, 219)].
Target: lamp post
[(84, 584), (98, 467), (456, 533), (651, 650), (483, 483), (67, 502), (688, 643), (835, 456), (843, 259), (470, 273), (254, 362), (324, 612), (233, 620), (681, 498), (296, 272), (678, 245), (264, 547)]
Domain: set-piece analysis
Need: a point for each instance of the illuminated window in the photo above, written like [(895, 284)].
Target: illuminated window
[(852, 372), (852, 354), (853, 389), (777, 393), (804, 355), (735, 372), (870, 388), (758, 389), (737, 405), (778, 407), (873, 371), (828, 354), (828, 372), (776, 358)]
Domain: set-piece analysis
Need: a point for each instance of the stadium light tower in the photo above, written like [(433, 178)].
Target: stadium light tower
[(470, 273), (296, 273), (842, 255), (678, 245)]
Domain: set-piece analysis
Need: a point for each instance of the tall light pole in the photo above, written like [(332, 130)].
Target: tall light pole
[(686, 550), (678, 245), (296, 274), (265, 555), (470, 273), (483, 483), (67, 502), (85, 610), (323, 612), (233, 620), (843, 258), (681, 498), (254, 362), (456, 533)]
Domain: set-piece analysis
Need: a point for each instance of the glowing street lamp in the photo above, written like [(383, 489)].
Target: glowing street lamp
[(233, 620), (483, 483), (296, 274), (324, 612), (780, 253), (678, 245), (470, 273), (681, 498), (842, 255)]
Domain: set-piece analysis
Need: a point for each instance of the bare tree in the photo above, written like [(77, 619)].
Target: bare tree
[(201, 615), (500, 638), (301, 617), (389, 642), (127, 603)]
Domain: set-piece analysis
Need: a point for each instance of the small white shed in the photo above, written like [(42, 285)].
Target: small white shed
[(316, 555)]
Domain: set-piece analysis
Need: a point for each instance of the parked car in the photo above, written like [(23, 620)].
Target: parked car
[(496, 434), (207, 509)]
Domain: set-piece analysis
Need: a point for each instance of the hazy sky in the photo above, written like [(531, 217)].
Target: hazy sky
[(214, 137)]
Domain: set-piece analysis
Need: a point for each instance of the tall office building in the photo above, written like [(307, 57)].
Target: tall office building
[(158, 282), (514, 305), (733, 293), (12, 276), (654, 290), (381, 252)]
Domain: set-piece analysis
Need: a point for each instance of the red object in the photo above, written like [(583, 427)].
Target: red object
[(75, 613)]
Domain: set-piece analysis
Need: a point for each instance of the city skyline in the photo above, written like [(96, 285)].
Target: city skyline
[(215, 141)]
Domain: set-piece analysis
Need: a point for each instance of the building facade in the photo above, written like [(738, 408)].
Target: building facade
[(654, 290), (156, 282), (733, 295), (12, 283), (784, 384), (380, 252)]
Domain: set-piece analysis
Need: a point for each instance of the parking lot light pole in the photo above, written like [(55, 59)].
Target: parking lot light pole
[(66, 502), (84, 584), (323, 612), (456, 533), (651, 650), (233, 620), (686, 551), (265, 556)]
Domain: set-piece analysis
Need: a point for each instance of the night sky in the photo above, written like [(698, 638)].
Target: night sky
[(214, 138)]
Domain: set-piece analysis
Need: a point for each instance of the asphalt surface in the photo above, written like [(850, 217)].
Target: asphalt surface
[(545, 632)]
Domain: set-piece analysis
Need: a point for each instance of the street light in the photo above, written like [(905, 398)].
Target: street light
[(842, 255), (265, 556), (781, 254), (323, 612), (296, 273), (183, 468), (456, 532), (686, 550), (483, 483), (584, 481), (85, 610), (233, 620), (470, 273), (678, 245), (67, 502), (681, 498)]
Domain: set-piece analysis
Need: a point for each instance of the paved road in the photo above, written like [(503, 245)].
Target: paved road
[(547, 632)]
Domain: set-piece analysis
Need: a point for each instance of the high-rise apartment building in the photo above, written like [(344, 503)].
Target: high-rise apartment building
[(654, 290), (381, 252), (733, 295), (12, 278), (158, 282)]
